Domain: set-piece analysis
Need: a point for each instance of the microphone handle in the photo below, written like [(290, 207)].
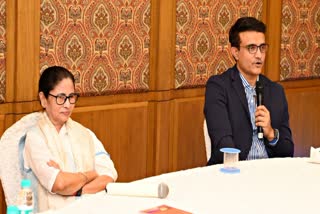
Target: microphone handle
[(138, 189), (259, 103), (260, 133)]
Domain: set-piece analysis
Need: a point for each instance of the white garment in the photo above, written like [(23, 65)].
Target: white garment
[(36, 155)]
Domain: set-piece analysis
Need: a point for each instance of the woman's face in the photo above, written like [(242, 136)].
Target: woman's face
[(58, 114)]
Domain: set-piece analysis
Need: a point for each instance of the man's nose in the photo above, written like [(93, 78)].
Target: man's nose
[(258, 53)]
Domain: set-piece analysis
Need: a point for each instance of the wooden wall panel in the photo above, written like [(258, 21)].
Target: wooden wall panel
[(273, 38), (304, 105), (123, 129), (163, 31), (188, 141), (27, 42), (163, 126)]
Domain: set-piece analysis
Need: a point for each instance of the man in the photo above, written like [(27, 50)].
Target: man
[(230, 101)]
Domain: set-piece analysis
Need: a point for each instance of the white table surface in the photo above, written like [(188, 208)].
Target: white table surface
[(281, 185)]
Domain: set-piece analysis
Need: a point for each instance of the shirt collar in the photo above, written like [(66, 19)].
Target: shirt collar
[(245, 83)]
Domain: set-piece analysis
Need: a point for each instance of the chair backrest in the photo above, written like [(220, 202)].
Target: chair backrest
[(207, 139), (10, 172)]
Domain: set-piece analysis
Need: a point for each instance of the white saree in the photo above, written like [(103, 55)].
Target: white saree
[(83, 151)]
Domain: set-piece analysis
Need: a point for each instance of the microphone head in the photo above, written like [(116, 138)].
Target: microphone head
[(163, 190)]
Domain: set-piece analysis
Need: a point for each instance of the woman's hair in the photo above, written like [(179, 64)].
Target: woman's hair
[(51, 77), (242, 25)]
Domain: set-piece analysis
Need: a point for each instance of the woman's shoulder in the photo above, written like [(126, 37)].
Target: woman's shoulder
[(74, 124), (34, 132), (79, 127)]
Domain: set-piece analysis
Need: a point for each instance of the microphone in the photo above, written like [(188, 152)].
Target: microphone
[(259, 92), (138, 189)]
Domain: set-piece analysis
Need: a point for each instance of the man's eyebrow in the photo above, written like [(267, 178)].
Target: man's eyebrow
[(252, 44)]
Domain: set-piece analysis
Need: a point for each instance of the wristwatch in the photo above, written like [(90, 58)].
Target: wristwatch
[(276, 137), (276, 134)]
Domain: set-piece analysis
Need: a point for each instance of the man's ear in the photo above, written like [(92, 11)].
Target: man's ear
[(235, 53), (43, 99)]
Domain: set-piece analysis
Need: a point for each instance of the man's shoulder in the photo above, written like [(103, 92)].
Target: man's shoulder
[(269, 83), (225, 76)]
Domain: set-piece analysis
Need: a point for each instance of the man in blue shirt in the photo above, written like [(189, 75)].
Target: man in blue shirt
[(230, 101)]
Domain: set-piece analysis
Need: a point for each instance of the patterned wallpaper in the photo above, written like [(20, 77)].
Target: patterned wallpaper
[(2, 50), (202, 37), (104, 43), (300, 39)]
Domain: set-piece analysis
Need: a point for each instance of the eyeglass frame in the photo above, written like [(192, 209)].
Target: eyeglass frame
[(256, 48), (66, 97)]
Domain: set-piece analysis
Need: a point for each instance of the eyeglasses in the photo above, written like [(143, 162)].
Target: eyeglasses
[(252, 48), (62, 98)]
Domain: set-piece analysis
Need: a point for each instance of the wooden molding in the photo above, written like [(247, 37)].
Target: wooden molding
[(27, 31), (272, 16), (10, 55), (308, 83), (163, 39)]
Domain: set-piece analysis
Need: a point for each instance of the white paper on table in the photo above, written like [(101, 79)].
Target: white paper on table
[(315, 155)]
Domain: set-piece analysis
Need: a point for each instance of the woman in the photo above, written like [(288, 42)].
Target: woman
[(67, 158)]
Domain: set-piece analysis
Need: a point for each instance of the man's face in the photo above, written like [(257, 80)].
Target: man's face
[(250, 64)]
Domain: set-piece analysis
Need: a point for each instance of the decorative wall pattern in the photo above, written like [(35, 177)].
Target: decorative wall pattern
[(300, 39), (202, 37), (2, 50), (104, 43)]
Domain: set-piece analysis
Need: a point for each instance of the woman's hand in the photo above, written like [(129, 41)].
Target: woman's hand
[(53, 164)]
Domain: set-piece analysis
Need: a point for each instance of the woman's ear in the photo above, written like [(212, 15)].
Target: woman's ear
[(235, 53), (43, 100)]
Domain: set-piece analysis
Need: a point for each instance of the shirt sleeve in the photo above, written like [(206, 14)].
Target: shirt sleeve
[(36, 154), (103, 163)]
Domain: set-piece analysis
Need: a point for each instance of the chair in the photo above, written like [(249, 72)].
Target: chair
[(207, 140), (11, 147)]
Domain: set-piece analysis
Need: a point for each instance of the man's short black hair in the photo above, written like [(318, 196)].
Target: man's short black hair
[(244, 24)]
